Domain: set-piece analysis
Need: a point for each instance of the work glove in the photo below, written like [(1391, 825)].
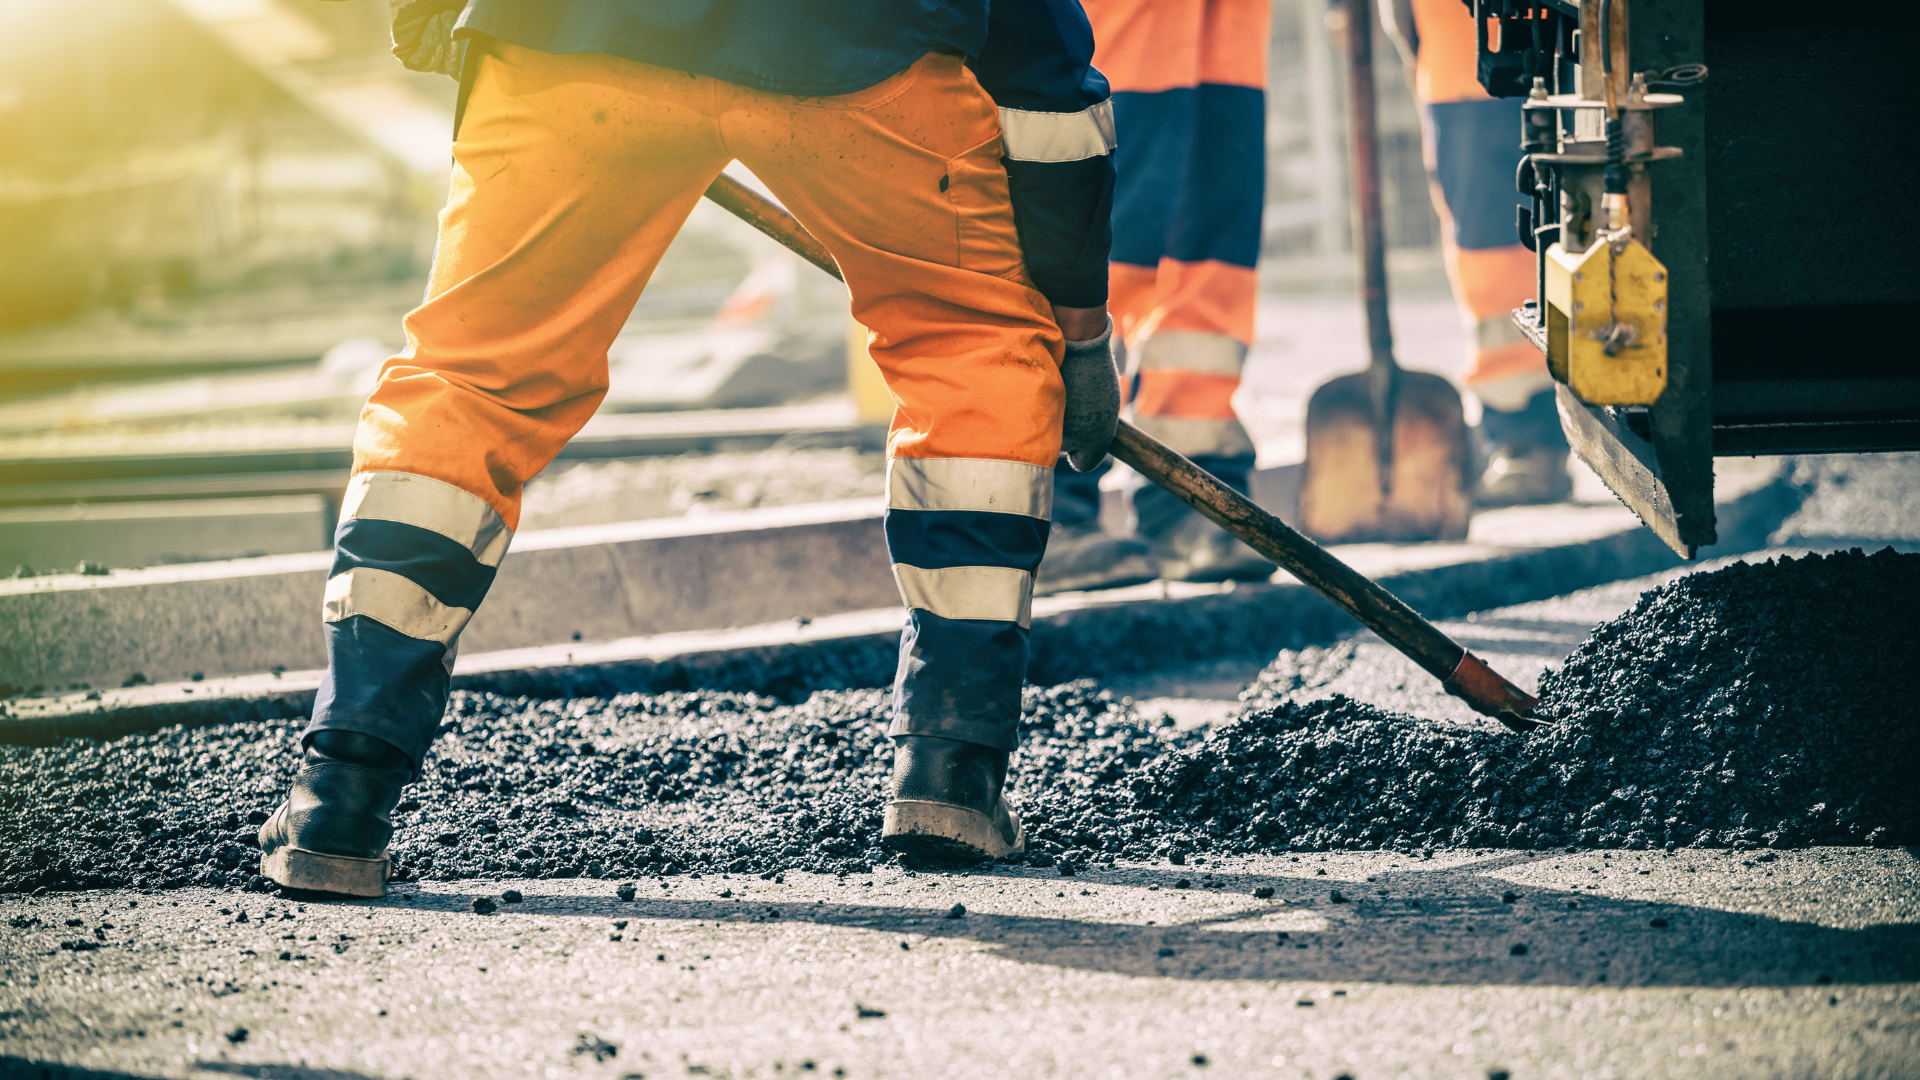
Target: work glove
[(1093, 400), (423, 35)]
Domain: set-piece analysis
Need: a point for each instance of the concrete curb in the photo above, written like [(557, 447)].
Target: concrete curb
[(592, 583), (1133, 630)]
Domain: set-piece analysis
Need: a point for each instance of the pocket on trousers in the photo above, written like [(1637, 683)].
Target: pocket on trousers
[(977, 189)]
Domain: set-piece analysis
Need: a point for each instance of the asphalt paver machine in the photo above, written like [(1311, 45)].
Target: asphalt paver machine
[(1720, 198)]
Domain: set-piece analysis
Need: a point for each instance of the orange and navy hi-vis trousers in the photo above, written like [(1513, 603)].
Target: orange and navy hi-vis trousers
[(572, 174), (1473, 151), (1189, 104)]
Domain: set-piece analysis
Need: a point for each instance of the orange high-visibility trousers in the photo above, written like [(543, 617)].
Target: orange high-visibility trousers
[(572, 174), (1473, 149), (1189, 100)]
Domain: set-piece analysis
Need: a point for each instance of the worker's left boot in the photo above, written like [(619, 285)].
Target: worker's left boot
[(1196, 549), (1187, 546), (1085, 558), (948, 801), (331, 834)]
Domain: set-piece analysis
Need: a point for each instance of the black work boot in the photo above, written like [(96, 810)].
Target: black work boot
[(1527, 461), (1084, 558), (1187, 546), (947, 801), (331, 834)]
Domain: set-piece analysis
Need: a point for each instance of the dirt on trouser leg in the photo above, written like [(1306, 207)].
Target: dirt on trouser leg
[(1766, 704)]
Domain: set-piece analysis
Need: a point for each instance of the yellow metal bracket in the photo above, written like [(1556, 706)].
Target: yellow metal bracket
[(1607, 322)]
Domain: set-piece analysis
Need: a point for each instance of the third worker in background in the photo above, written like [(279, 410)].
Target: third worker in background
[(1473, 151), (1189, 104)]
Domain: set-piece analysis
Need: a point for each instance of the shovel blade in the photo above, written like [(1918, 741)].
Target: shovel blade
[(1341, 496)]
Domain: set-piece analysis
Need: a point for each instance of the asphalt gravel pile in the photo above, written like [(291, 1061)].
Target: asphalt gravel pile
[(1756, 705), (621, 787), (1760, 704)]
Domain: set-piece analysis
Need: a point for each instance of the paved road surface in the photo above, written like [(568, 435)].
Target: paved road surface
[(1761, 969), (1603, 964)]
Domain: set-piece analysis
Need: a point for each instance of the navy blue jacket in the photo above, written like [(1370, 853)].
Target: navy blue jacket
[(1035, 57)]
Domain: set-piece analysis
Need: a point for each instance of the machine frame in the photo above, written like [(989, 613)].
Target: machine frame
[(1768, 149)]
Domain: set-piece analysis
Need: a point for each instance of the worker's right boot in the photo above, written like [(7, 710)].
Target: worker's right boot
[(1527, 455), (1189, 547), (948, 802), (1197, 550), (331, 834)]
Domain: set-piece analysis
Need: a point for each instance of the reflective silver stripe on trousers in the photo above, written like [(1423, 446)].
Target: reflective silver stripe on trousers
[(1192, 350), (393, 601), (1055, 136), (995, 593), (1190, 437), (429, 504), (1510, 393), (1495, 332), (1000, 487)]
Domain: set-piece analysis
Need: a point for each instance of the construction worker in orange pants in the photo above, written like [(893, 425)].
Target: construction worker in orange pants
[(956, 162), (1473, 150), (1189, 102)]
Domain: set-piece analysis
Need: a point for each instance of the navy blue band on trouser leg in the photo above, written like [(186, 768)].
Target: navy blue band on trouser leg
[(1151, 162), (1192, 175), (967, 578), (382, 683), (960, 679), (1217, 208), (413, 558), (1475, 153), (1157, 511)]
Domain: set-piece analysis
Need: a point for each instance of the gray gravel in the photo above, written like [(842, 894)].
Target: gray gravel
[(1868, 499)]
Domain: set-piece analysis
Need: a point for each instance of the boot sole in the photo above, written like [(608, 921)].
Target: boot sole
[(946, 833), (311, 871)]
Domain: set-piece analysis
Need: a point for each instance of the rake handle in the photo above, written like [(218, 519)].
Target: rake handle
[(1461, 673)]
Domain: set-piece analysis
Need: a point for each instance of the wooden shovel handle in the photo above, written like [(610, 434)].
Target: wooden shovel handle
[(772, 219), (1463, 675)]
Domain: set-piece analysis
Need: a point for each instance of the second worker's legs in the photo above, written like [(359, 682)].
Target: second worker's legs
[(1472, 152), (1190, 110)]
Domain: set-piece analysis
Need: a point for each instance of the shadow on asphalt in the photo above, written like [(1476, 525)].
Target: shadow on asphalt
[(13, 1068), (1447, 927), (279, 1072)]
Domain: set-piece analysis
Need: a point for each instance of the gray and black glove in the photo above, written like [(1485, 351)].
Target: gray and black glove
[(1093, 400), (423, 35)]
